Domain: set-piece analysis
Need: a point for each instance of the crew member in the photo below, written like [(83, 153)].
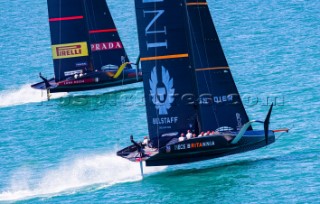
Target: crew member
[(145, 142), (182, 137), (189, 134)]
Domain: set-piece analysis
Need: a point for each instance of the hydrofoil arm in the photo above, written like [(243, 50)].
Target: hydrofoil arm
[(243, 130)]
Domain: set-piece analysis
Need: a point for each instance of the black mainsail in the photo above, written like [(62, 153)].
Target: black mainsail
[(69, 37), (168, 79), (198, 91), (220, 104), (86, 48), (188, 86), (110, 52)]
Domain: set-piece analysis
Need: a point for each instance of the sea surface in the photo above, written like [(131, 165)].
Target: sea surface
[(63, 150)]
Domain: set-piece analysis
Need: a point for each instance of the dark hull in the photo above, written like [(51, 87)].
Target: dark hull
[(90, 82), (204, 148)]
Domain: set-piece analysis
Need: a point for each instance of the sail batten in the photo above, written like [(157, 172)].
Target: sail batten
[(197, 4), (175, 56), (65, 18), (212, 68), (103, 31)]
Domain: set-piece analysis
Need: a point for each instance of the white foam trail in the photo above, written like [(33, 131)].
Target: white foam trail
[(104, 170), (24, 95)]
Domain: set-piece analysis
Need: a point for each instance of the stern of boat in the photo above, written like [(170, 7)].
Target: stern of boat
[(133, 154), (42, 85)]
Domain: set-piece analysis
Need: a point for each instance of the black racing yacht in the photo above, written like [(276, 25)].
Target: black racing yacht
[(86, 48), (188, 86)]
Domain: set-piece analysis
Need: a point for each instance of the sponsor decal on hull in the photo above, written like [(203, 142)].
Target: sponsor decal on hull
[(194, 145), (75, 82), (70, 50)]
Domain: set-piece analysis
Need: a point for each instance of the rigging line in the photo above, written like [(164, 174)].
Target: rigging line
[(206, 55), (94, 25), (106, 11), (213, 108), (192, 38), (94, 16), (189, 27), (87, 25), (188, 34), (202, 32), (192, 33), (198, 4), (204, 47), (193, 47), (197, 47), (60, 38)]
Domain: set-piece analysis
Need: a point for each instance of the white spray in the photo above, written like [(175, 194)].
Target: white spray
[(98, 170), (24, 95)]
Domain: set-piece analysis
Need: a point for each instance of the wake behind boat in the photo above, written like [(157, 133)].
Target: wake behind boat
[(86, 48), (188, 87)]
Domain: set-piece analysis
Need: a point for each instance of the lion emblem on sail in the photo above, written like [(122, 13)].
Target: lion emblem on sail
[(162, 93)]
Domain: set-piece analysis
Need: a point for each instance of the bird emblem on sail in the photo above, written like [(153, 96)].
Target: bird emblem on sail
[(163, 92)]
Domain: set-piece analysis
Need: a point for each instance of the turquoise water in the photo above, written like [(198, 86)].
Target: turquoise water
[(63, 151)]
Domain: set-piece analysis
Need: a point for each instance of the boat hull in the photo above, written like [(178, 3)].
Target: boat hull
[(96, 80), (204, 148)]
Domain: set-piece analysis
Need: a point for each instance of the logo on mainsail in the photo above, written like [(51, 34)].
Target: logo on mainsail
[(69, 50), (106, 46), (162, 93)]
